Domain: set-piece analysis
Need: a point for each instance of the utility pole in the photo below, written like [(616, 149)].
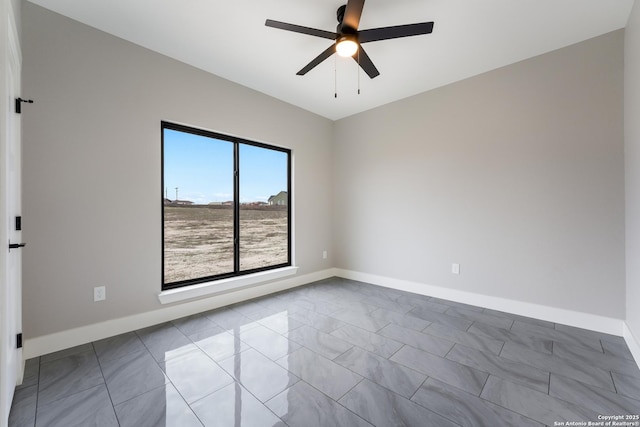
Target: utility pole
[(165, 193), (176, 194)]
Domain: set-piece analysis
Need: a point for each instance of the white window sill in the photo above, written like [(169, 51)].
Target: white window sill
[(223, 285)]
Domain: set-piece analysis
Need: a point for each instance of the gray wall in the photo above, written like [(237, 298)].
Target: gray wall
[(516, 174), (92, 167), (632, 166)]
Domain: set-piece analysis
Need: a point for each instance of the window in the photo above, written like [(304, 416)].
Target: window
[(226, 206)]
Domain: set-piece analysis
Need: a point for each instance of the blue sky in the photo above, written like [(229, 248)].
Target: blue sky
[(202, 169)]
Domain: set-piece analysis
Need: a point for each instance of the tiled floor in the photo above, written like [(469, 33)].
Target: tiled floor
[(335, 353)]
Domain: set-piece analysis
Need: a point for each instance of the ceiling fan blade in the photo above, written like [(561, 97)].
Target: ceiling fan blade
[(317, 60), (352, 14), (365, 63), (300, 29), (386, 33)]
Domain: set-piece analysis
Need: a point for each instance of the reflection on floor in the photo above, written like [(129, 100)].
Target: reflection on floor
[(335, 353)]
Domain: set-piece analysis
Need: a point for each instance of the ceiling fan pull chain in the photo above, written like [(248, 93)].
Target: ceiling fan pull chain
[(335, 76), (358, 71)]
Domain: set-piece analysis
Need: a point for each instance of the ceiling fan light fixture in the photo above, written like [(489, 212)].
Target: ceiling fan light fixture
[(347, 46)]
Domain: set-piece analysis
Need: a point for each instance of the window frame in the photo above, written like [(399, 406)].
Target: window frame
[(236, 205)]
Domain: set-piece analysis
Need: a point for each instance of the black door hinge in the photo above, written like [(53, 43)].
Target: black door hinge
[(19, 340), (19, 102)]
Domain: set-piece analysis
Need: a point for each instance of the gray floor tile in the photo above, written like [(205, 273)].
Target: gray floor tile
[(602, 360), (66, 352), (162, 406), (450, 372), (231, 320), (23, 408), (246, 308), (405, 320), (268, 342), (281, 322), (556, 335), (382, 407), (192, 324), (457, 304), (274, 301), (551, 363), (263, 313), (626, 385), (525, 319), (118, 346), (370, 341), (386, 373), (319, 321), (464, 338), (535, 343), (303, 406), (377, 291), (195, 375), (90, 407), (234, 406), (320, 372), (310, 304), (165, 341), (597, 399), (580, 332), (69, 375), (534, 404), (419, 301), (617, 349), (359, 319), (435, 345), (132, 375), (501, 367), (467, 409), (218, 343), (31, 373), (482, 317), (388, 304), (260, 375), (327, 345), (443, 319)]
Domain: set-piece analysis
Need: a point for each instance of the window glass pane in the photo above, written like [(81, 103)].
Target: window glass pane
[(198, 206), (264, 209)]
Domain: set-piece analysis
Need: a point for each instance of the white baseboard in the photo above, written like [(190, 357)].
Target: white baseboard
[(45, 344), (578, 319), (632, 342)]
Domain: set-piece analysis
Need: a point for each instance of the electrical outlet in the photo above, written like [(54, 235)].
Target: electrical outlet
[(455, 268), (99, 293), (324, 254)]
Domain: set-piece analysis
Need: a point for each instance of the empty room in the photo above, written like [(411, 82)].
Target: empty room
[(321, 213)]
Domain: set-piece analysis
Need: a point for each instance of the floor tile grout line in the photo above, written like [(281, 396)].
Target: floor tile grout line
[(396, 352), (615, 387), (434, 410), (35, 409), (418, 389), (104, 379), (337, 400)]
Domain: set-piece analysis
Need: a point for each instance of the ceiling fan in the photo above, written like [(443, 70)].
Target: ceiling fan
[(348, 39)]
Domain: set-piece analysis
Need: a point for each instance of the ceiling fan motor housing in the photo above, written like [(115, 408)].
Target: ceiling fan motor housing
[(343, 29)]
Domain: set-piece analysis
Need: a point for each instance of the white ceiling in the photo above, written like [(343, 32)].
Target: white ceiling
[(229, 39)]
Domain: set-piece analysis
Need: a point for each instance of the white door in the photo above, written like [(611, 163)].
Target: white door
[(10, 205)]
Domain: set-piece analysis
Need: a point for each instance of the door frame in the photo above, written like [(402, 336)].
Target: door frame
[(11, 358)]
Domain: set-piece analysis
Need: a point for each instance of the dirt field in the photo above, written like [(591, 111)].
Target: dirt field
[(198, 240)]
